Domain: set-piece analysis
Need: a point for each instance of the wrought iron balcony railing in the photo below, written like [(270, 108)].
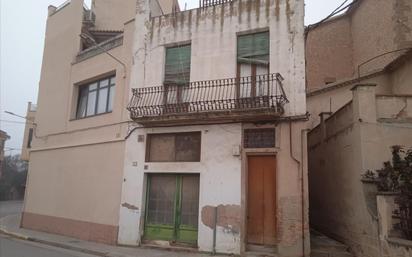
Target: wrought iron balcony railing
[(207, 3), (234, 95)]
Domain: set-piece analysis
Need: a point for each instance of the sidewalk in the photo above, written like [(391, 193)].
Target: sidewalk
[(10, 226), (323, 246)]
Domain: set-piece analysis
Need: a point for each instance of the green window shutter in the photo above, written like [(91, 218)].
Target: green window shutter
[(177, 70), (253, 48)]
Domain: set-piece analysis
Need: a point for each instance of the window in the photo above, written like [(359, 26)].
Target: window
[(253, 61), (260, 138), (253, 48), (177, 73), (30, 138), (180, 147), (177, 67), (96, 98)]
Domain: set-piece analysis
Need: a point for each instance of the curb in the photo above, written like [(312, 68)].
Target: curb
[(54, 244), (15, 235)]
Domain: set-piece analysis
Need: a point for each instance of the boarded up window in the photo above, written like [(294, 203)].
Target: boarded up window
[(179, 147), (253, 48), (177, 68), (260, 138), (162, 147)]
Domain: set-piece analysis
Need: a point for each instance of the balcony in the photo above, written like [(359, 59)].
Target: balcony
[(208, 3), (253, 98)]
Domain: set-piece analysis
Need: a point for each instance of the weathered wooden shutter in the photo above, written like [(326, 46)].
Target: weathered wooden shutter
[(177, 70), (253, 48)]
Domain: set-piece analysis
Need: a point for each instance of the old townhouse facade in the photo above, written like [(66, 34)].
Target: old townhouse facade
[(215, 157), (173, 128), (359, 86)]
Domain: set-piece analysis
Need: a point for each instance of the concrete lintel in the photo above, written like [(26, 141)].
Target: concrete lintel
[(400, 242), (325, 113), (51, 9), (207, 120), (355, 87)]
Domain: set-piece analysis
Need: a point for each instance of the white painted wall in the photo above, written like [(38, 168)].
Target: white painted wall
[(220, 181), (212, 33)]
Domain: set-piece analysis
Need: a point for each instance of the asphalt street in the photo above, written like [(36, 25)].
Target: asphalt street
[(10, 247), (10, 208)]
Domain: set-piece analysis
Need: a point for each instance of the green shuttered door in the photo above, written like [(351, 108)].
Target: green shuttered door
[(172, 208)]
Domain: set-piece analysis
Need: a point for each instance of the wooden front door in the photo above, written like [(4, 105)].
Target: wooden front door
[(261, 205)]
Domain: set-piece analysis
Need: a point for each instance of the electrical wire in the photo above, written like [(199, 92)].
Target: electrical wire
[(14, 122), (12, 149), (339, 9)]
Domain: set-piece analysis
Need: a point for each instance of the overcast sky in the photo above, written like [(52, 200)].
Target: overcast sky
[(22, 27)]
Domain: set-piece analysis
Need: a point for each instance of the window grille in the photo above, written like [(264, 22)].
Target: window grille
[(260, 138)]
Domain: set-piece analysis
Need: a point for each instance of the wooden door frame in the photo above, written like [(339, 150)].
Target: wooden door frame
[(244, 188)]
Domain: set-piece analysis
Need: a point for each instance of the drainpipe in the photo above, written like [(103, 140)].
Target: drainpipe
[(214, 231), (301, 180)]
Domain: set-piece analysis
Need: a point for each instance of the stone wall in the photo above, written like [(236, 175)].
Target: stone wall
[(392, 245)]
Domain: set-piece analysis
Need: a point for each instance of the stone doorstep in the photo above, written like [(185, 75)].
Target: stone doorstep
[(260, 254), (330, 254), (260, 251)]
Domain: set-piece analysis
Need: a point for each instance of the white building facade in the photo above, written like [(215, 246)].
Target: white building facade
[(216, 156)]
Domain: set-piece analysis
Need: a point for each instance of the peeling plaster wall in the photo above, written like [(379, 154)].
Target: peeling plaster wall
[(220, 180), (222, 185), (212, 33), (394, 108)]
